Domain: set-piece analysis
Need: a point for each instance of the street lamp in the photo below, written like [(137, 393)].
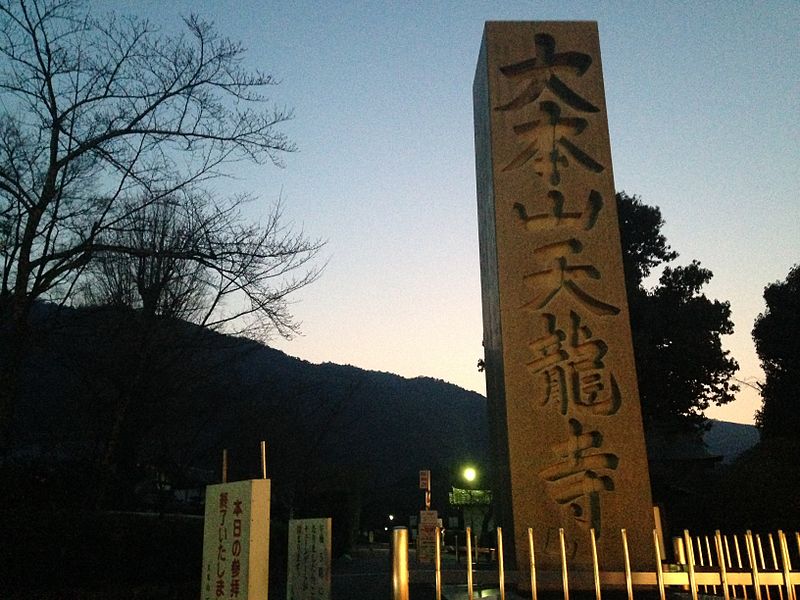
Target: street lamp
[(470, 474)]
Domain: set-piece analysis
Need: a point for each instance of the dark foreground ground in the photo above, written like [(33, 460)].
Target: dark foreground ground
[(364, 574), (367, 573)]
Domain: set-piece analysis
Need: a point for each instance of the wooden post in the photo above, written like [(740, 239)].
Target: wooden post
[(690, 563), (469, 563), (723, 573), (532, 564), (702, 562), (659, 573), (627, 556), (739, 561), (564, 574), (774, 561), (763, 562), (501, 575), (751, 555), (263, 459), (596, 565), (710, 563), (400, 563), (438, 563)]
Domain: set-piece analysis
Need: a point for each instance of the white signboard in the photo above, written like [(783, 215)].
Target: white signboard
[(309, 566), (424, 480), (236, 541), (426, 547)]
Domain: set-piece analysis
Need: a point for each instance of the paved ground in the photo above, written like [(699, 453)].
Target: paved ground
[(366, 574)]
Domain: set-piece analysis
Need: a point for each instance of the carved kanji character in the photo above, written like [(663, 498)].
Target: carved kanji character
[(545, 138), (561, 218), (548, 360), (572, 367), (542, 72), (560, 275), (574, 481)]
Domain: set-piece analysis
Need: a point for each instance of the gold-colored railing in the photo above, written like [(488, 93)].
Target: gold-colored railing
[(767, 576)]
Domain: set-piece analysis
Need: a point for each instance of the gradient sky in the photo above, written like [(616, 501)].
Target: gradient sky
[(703, 103)]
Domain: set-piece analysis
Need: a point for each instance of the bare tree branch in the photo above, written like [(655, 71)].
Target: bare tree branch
[(108, 132)]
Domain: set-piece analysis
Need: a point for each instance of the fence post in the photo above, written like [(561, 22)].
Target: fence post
[(469, 563), (787, 565), (775, 561), (564, 574), (532, 565), (501, 574), (763, 562), (438, 563), (626, 554), (400, 563), (662, 593), (739, 561), (710, 563), (690, 563), (596, 565), (751, 554), (723, 573)]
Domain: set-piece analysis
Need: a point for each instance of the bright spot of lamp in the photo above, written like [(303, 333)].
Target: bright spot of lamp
[(470, 474), (391, 517)]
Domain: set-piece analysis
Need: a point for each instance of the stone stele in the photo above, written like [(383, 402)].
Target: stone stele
[(561, 383)]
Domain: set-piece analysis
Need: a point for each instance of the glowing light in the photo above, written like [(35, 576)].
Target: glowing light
[(470, 474)]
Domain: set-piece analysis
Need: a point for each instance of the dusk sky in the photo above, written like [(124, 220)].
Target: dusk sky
[(703, 103)]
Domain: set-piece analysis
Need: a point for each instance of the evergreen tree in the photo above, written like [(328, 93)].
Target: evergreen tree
[(677, 330), (777, 336)]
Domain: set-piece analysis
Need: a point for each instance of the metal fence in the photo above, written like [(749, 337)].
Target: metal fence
[(732, 570)]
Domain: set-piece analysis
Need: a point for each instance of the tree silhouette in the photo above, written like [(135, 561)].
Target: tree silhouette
[(104, 121), (681, 366), (777, 336)]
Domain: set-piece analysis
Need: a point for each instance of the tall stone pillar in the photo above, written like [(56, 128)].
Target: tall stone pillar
[(561, 382)]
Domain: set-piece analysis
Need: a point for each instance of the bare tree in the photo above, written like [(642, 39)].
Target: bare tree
[(190, 259), (198, 260), (105, 123)]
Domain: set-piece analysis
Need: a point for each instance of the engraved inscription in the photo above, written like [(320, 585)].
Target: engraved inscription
[(571, 366), (546, 138), (554, 279), (567, 359), (580, 474), (559, 217), (560, 275), (542, 72)]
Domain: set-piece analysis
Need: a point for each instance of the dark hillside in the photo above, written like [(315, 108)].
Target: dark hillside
[(730, 440), (187, 393)]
